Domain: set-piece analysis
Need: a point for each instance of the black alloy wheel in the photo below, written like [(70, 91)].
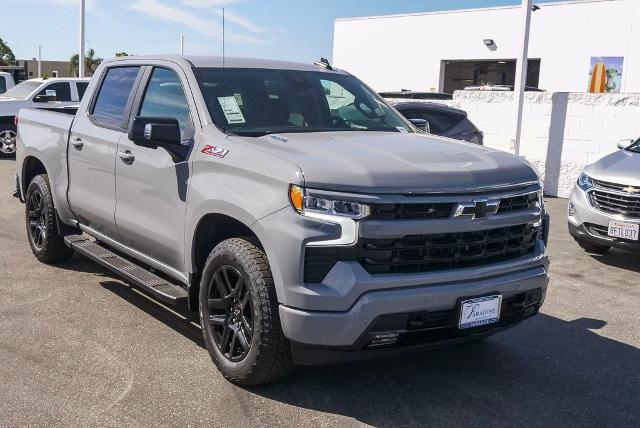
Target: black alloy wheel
[(37, 219), (230, 314)]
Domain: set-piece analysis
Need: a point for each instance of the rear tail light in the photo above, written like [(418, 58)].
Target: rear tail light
[(15, 120)]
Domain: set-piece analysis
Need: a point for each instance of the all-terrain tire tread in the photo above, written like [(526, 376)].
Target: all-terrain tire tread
[(273, 360), (54, 250)]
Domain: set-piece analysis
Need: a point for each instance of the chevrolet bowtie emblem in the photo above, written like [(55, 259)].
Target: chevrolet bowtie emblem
[(479, 208), (631, 189)]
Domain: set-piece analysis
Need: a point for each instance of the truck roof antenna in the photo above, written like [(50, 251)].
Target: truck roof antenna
[(324, 63)]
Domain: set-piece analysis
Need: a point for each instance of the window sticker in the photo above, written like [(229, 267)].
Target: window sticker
[(231, 109)]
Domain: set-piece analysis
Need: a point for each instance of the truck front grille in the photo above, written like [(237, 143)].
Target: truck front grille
[(436, 210), (627, 206), (412, 211), (446, 251)]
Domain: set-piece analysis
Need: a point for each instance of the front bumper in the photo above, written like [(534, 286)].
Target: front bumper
[(345, 330), (590, 224)]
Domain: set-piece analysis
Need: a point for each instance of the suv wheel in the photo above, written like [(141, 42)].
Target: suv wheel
[(46, 243), (239, 315), (7, 140), (592, 248)]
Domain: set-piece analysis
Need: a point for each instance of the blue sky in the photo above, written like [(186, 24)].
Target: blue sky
[(299, 30)]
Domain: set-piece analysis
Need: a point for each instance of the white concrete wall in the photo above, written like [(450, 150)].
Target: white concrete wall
[(561, 133), (405, 51)]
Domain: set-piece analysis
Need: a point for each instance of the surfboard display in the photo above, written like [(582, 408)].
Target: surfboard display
[(598, 82)]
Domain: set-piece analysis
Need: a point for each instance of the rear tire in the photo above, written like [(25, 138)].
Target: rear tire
[(592, 248), (42, 230), (7, 141), (239, 315)]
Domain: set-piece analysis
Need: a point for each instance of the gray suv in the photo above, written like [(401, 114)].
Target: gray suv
[(302, 217), (604, 209)]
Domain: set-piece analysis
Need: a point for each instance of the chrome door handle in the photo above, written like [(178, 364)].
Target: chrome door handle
[(127, 157), (77, 143)]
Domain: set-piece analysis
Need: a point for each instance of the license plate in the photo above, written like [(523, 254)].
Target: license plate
[(620, 229), (479, 311)]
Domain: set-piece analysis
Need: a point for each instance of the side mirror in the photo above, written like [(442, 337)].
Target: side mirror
[(49, 95), (421, 124), (155, 131), (624, 144)]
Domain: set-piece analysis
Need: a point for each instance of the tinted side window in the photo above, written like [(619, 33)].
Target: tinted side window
[(164, 97), (114, 93), (3, 85), (63, 91), (82, 88)]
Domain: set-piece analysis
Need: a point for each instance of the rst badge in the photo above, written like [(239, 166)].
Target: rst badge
[(214, 151)]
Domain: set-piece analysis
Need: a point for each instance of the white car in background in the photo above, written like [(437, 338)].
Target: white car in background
[(35, 93), (6, 82)]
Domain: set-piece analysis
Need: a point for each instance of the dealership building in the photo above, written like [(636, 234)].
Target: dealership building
[(451, 50)]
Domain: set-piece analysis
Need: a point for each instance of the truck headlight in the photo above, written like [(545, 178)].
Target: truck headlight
[(306, 205), (584, 181), (340, 212)]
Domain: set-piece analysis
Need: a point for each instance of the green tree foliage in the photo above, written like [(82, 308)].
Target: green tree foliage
[(6, 54), (91, 63)]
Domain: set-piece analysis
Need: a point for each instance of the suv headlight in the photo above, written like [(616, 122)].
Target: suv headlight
[(343, 213), (584, 181), (305, 205)]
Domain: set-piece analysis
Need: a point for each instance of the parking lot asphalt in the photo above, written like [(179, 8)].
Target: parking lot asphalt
[(79, 347)]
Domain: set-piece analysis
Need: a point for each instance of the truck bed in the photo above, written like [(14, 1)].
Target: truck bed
[(43, 136)]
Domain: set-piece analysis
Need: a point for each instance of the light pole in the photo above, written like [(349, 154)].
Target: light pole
[(521, 71), (181, 44), (39, 61), (81, 54)]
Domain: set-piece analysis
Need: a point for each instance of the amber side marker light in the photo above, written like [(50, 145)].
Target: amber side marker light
[(296, 196)]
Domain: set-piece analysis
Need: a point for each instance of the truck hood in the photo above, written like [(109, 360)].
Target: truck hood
[(619, 167), (388, 162)]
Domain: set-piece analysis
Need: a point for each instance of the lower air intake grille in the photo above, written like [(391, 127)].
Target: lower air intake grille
[(445, 251)]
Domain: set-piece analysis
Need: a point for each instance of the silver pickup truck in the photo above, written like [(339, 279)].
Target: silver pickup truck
[(302, 217)]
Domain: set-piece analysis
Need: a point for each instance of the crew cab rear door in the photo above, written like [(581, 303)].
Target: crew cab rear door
[(93, 146), (152, 182)]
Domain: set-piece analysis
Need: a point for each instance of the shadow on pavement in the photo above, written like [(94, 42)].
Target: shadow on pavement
[(620, 259), (179, 320), (543, 372), (79, 263)]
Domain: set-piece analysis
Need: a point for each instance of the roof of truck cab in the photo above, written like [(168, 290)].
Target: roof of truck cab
[(230, 62)]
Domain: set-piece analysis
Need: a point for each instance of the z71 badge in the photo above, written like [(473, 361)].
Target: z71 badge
[(214, 151)]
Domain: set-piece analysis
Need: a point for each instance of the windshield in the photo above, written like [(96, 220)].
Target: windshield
[(22, 90), (255, 102)]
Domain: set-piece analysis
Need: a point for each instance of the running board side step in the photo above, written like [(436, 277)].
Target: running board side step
[(158, 287)]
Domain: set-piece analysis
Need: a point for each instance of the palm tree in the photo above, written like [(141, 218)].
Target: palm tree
[(91, 63)]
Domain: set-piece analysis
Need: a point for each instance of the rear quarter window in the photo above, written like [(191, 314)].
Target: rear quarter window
[(82, 88)]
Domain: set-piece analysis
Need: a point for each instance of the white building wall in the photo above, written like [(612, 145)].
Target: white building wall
[(405, 51)]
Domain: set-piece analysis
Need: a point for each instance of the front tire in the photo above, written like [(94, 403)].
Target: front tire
[(592, 248), (46, 243), (239, 315), (7, 140)]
